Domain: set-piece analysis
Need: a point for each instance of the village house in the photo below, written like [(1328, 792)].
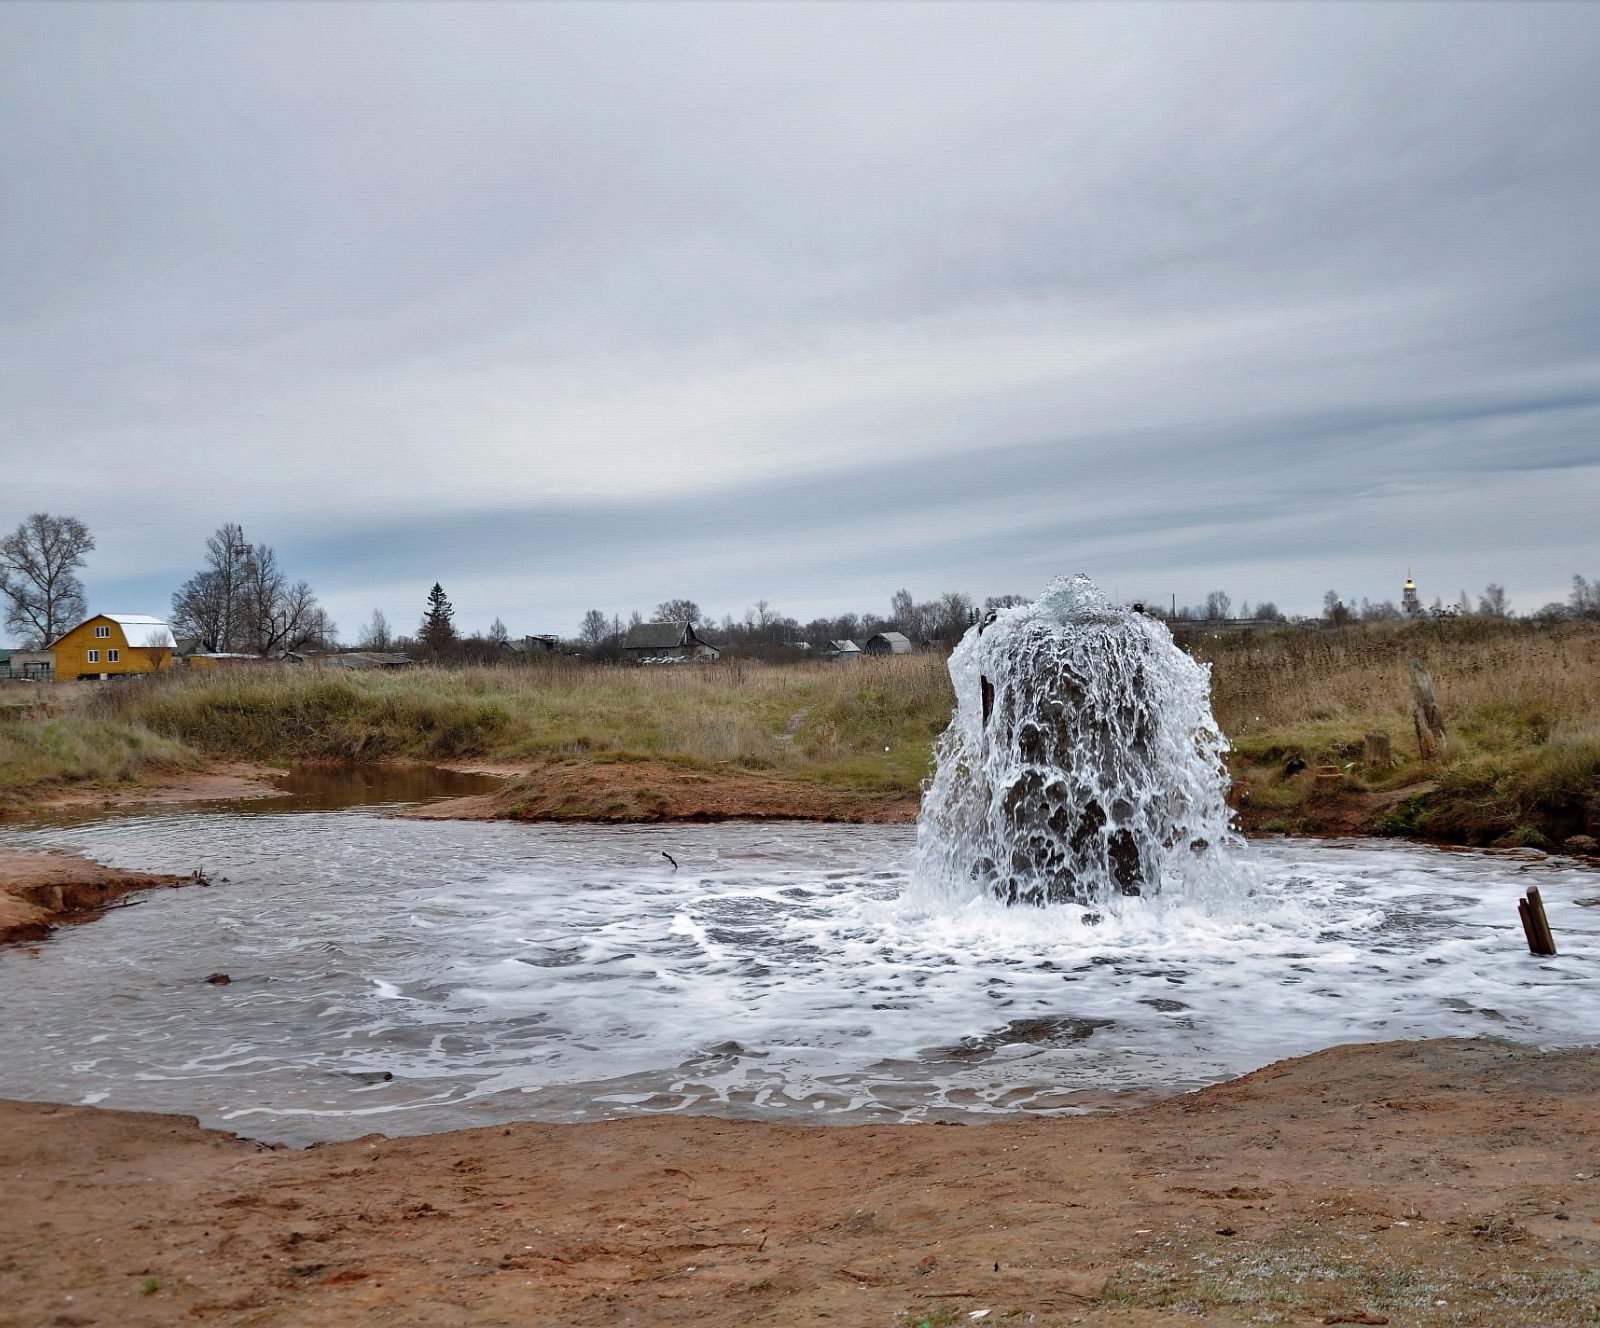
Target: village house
[(843, 650), (28, 665), (214, 659), (539, 644), (113, 645), (667, 643), (888, 643)]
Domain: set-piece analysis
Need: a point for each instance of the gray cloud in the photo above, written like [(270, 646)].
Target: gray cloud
[(579, 306)]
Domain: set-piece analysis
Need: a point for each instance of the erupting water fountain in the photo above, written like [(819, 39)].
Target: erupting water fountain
[(1082, 762)]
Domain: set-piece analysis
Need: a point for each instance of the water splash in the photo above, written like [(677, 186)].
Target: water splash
[(1082, 764)]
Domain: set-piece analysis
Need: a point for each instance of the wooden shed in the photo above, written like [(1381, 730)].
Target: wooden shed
[(668, 643), (888, 643)]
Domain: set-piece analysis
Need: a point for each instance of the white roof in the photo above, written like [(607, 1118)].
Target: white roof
[(143, 630)]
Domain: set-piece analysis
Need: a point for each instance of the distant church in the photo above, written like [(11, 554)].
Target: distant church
[(1410, 603)]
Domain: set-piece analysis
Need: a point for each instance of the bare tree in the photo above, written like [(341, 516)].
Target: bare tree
[(376, 635), (594, 629), (498, 633), (38, 576), (903, 611), (1218, 605), (263, 591), (677, 610), (1493, 602), (951, 615), (320, 631), (207, 604), (241, 601)]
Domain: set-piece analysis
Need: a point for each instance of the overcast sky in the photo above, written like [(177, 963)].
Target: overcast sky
[(573, 306)]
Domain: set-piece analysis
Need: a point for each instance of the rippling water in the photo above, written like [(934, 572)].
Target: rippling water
[(407, 976)]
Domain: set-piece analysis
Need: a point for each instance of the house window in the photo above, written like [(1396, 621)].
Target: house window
[(112, 656), (94, 657), (102, 631)]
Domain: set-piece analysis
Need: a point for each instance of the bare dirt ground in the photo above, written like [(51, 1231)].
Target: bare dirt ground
[(1446, 1182), (643, 791), (39, 890), (220, 781)]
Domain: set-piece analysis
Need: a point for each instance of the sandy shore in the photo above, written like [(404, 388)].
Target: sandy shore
[(1445, 1182), (40, 890), (220, 781)]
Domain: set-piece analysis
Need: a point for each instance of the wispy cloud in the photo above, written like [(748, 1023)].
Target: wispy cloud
[(592, 305)]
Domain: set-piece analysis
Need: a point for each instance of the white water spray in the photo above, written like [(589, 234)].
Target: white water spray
[(1082, 763)]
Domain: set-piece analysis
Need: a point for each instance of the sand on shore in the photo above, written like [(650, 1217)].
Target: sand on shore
[(1440, 1182), (40, 890)]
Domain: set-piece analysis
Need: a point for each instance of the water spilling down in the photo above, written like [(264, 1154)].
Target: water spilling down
[(1082, 763)]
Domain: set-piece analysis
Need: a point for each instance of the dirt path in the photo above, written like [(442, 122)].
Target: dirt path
[(1446, 1182)]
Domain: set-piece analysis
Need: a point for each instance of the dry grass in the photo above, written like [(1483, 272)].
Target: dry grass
[(865, 726), (1521, 704), (54, 750)]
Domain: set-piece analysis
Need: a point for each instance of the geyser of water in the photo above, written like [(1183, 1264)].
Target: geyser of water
[(1082, 762)]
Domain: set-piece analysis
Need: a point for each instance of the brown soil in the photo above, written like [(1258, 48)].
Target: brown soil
[(635, 791), (1329, 811), (220, 781), (38, 890), (1445, 1182)]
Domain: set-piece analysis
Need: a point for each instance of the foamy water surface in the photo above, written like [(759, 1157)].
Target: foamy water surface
[(405, 976)]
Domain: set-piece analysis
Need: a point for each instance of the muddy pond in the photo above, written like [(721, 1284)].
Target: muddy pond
[(407, 976)]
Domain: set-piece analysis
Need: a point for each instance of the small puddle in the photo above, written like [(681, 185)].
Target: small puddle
[(331, 788)]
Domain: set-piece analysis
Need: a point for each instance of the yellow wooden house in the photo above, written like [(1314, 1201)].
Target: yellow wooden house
[(112, 645)]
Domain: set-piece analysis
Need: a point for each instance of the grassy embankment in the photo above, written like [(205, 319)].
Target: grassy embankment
[(866, 729), (1522, 705), (48, 741)]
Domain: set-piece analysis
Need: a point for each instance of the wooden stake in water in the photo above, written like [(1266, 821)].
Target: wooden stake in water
[(1541, 940)]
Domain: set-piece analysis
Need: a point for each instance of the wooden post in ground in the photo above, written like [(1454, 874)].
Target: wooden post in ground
[(1425, 714), (1541, 924), (1377, 752)]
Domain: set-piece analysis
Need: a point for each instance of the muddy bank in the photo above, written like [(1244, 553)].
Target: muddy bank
[(648, 791), (1421, 1183), (219, 781), (40, 890)]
